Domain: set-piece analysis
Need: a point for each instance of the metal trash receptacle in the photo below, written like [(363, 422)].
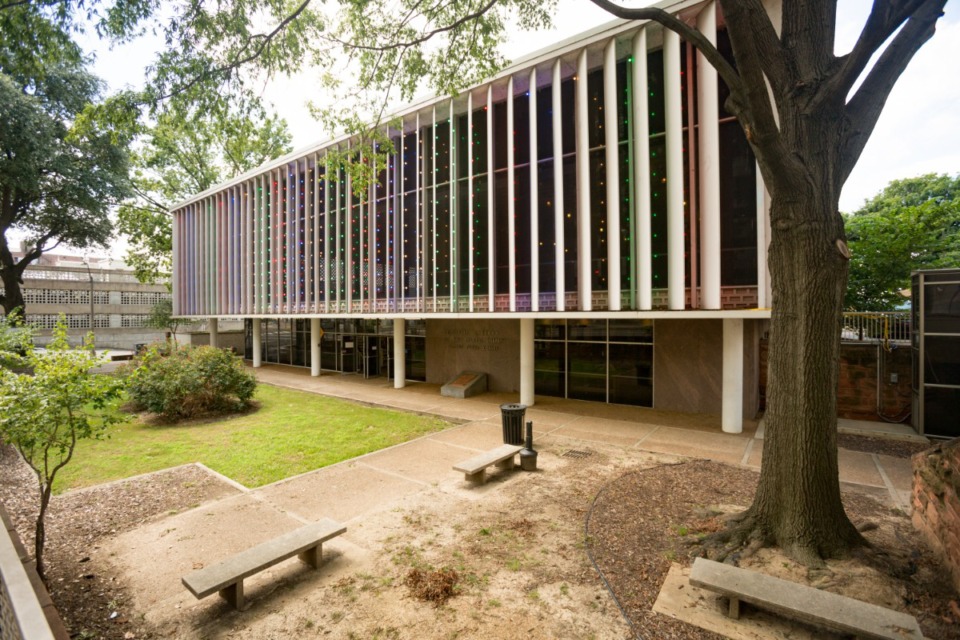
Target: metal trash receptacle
[(512, 416)]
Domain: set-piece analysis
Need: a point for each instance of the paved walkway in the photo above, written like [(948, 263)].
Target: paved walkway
[(578, 423), (369, 492)]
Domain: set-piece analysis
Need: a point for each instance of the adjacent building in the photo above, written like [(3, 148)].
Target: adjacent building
[(588, 224), (93, 294)]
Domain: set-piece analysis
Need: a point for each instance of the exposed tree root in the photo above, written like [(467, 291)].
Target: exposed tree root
[(745, 534)]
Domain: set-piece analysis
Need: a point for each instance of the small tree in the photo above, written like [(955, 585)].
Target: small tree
[(161, 317), (45, 414)]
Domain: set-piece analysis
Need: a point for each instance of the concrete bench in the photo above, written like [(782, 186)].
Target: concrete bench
[(803, 603), (475, 468), (226, 577)]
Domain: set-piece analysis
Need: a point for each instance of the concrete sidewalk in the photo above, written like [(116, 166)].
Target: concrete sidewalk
[(575, 423), (371, 493)]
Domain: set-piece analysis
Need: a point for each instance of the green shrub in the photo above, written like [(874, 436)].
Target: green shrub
[(189, 382)]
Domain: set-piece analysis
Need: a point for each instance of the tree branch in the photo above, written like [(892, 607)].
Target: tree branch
[(688, 33), (863, 110), (425, 36), (753, 104), (264, 40), (883, 20)]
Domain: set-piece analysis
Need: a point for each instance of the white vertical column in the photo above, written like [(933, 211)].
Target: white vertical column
[(534, 199), (399, 354), (511, 199), (175, 260), (612, 151), (291, 240), (491, 203), (470, 249), (732, 402), (257, 343), (275, 262), (250, 190), (452, 209), (709, 170), (399, 242), (421, 231), (236, 241), (317, 224), (527, 377), (559, 253), (641, 172), (674, 138), (213, 329), (764, 295), (315, 347), (433, 211), (584, 257), (348, 244), (337, 232)]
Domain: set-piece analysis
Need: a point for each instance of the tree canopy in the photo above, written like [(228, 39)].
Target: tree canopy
[(56, 183), (912, 224)]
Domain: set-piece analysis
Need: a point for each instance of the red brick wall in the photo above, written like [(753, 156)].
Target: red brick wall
[(936, 502), (857, 389)]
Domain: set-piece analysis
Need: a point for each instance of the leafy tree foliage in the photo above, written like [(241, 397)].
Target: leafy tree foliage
[(45, 414), (190, 382), (183, 154), (161, 317), (56, 183), (912, 224), (15, 340)]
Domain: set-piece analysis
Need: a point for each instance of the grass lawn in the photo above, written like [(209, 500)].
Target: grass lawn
[(292, 432)]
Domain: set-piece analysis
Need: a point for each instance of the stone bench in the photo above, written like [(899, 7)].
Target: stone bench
[(803, 603), (474, 469), (226, 577)]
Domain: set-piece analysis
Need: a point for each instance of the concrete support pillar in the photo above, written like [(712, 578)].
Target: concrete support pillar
[(399, 354), (315, 337), (214, 332), (526, 362), (257, 343), (732, 404)]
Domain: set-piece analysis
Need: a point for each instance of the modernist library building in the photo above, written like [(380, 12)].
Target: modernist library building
[(588, 224)]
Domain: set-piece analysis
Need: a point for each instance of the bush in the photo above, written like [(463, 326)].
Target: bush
[(189, 382)]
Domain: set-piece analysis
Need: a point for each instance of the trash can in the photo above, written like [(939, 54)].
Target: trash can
[(512, 416)]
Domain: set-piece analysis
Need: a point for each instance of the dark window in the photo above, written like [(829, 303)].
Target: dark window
[(544, 122), (522, 228), (546, 249)]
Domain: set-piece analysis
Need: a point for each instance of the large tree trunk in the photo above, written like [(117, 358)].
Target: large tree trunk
[(797, 504), (12, 298)]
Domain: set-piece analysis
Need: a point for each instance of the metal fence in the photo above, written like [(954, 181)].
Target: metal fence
[(876, 327)]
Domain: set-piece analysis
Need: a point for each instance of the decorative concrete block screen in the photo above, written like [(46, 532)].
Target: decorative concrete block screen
[(936, 501)]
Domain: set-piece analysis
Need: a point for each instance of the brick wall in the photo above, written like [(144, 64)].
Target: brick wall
[(936, 502), (857, 388)]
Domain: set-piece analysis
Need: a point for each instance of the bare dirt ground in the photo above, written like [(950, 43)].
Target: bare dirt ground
[(518, 562)]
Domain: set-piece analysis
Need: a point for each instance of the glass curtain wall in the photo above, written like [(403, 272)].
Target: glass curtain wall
[(597, 360), (347, 346)]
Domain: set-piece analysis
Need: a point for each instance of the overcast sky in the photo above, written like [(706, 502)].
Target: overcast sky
[(919, 131)]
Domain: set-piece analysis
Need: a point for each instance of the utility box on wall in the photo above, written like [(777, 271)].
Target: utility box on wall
[(936, 352)]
